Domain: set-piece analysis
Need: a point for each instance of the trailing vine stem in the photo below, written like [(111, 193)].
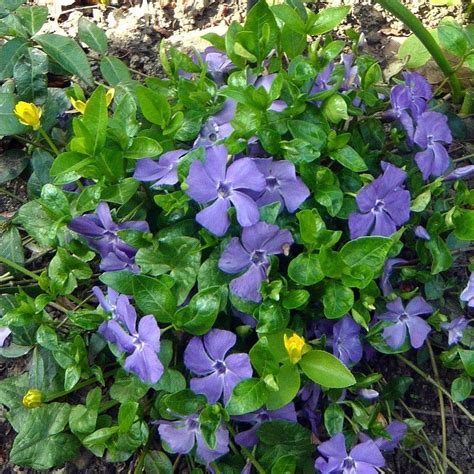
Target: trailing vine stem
[(398, 10)]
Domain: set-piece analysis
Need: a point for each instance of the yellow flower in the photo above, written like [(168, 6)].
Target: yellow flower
[(28, 114), (296, 347), (33, 398), (109, 96), (80, 105)]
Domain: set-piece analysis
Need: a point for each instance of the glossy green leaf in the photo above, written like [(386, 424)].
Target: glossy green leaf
[(92, 35), (249, 395)]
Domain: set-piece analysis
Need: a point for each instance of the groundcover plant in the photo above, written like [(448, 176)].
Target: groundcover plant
[(219, 259)]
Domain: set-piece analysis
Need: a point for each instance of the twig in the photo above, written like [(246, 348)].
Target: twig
[(12, 195), (414, 461), (436, 413), (444, 436), (433, 382)]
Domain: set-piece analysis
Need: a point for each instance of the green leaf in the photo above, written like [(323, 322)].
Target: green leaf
[(326, 370), (305, 269), (209, 422), (83, 418), (114, 71), (335, 109), (337, 300), (30, 75), (126, 415), (414, 52), (327, 19), (463, 221), (67, 53), (284, 465), (92, 35), (154, 106), (37, 223), (95, 120), (12, 164), (461, 388), (334, 419), (154, 297), (143, 147), (291, 18), (467, 359), (40, 444), (10, 244), (183, 403), (9, 124), (288, 380), (441, 255), (156, 462), (200, 314), (272, 317), (349, 158), (370, 251), (10, 53), (249, 395), (452, 37), (122, 282), (32, 17), (65, 270), (127, 388), (122, 192), (180, 256)]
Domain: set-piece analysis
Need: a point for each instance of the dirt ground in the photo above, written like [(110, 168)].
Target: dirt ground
[(134, 29)]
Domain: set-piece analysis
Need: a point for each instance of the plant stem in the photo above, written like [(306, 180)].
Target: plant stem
[(29, 142), (19, 268), (414, 461), (49, 141), (259, 468), (12, 195), (416, 27), (444, 438), (434, 383)]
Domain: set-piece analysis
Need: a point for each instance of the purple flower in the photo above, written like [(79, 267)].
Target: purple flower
[(385, 284), (180, 437), (251, 254), (310, 395), (422, 233), (401, 104), (397, 431), (4, 334), (217, 127), (419, 91), (282, 184), (455, 329), (346, 345), (432, 133), (142, 345), (460, 173), (351, 77), (120, 260), (384, 205), (163, 172), (100, 230), (363, 458), (323, 80), (266, 82), (218, 64), (210, 181), (406, 318), (108, 303), (218, 374), (368, 393), (468, 293), (249, 438)]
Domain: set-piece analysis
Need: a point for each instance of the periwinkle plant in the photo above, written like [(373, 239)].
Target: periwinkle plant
[(280, 182)]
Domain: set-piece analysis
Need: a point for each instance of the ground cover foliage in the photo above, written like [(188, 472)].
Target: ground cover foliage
[(231, 248)]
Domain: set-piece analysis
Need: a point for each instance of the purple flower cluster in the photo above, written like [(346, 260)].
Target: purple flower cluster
[(141, 344), (384, 205), (346, 344), (406, 319), (101, 233), (250, 255), (455, 329), (217, 373), (428, 130)]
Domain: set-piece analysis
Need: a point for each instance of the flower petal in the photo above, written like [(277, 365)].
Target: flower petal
[(234, 258), (196, 359), (247, 286), (215, 218), (201, 187), (247, 210), (145, 364), (149, 332), (218, 342), (419, 330), (211, 386)]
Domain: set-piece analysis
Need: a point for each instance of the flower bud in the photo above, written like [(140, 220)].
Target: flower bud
[(33, 398), (79, 105), (296, 347), (28, 114)]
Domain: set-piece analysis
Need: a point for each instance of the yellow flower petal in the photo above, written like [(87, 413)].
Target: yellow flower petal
[(79, 105), (109, 96), (33, 398), (28, 114), (296, 347)]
